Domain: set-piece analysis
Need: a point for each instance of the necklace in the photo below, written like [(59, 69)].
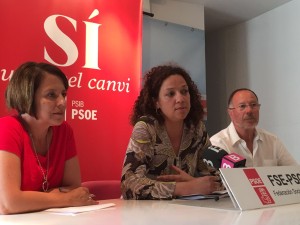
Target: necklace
[(45, 184)]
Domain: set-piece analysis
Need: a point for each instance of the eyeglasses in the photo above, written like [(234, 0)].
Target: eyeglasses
[(242, 107)]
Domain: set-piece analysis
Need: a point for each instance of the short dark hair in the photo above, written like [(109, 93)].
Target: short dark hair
[(24, 82), (238, 90), (145, 105)]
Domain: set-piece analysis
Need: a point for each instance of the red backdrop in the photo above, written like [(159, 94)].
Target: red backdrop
[(97, 43)]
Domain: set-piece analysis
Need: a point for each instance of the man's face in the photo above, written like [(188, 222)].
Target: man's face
[(244, 110)]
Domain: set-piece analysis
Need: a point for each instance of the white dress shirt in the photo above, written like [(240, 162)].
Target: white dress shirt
[(268, 150)]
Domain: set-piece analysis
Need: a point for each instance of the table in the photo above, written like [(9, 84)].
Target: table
[(162, 212)]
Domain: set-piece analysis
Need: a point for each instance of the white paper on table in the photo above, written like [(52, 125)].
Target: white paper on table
[(80, 209)]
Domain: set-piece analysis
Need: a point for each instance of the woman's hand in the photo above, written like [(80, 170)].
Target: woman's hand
[(181, 176), (204, 185), (79, 197), (187, 185), (200, 185)]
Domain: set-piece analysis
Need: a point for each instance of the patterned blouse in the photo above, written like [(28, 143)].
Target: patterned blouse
[(150, 154)]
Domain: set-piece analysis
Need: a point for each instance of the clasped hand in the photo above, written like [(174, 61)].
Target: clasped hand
[(78, 197), (181, 176), (199, 185)]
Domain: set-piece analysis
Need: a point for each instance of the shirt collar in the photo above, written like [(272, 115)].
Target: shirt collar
[(236, 138)]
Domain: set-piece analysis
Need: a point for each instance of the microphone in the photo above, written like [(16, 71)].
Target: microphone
[(218, 158), (233, 160), (213, 156)]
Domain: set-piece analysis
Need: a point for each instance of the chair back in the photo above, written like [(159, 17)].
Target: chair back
[(104, 189)]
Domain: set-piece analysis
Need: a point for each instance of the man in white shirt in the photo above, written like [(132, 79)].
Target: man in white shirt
[(259, 147)]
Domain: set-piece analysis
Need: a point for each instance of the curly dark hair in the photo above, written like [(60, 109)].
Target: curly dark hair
[(145, 105)]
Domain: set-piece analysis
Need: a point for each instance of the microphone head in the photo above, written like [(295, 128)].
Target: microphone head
[(213, 156), (233, 160)]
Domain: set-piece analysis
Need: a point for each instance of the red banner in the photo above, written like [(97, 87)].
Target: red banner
[(97, 43)]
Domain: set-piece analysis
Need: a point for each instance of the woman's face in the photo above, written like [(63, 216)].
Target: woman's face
[(50, 100), (174, 99)]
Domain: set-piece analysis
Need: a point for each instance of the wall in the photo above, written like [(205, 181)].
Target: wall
[(168, 37), (179, 12), (166, 42), (262, 54)]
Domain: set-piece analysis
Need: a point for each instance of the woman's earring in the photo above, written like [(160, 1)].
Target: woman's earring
[(156, 110)]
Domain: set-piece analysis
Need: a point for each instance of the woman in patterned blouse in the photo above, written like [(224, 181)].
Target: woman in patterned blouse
[(164, 155)]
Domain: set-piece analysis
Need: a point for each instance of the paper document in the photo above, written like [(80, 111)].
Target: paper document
[(80, 209)]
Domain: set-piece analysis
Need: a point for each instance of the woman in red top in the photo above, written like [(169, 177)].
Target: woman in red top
[(37, 148)]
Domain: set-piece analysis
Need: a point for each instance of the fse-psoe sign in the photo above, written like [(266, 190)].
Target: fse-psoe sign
[(260, 187)]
